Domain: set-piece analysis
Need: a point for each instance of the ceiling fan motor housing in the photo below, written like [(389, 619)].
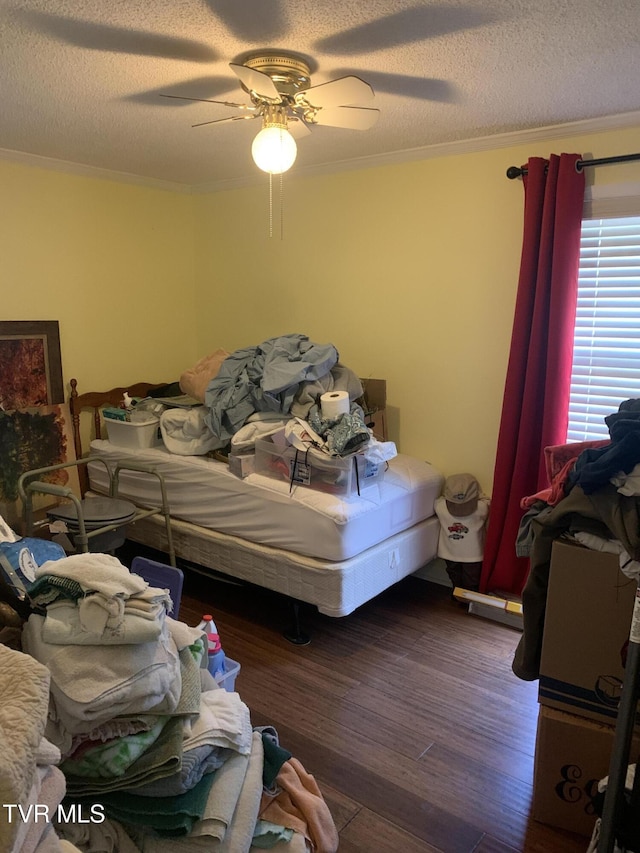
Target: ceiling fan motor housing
[(290, 74)]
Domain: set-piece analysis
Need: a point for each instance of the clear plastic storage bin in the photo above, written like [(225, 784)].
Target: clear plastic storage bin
[(347, 476), (227, 679)]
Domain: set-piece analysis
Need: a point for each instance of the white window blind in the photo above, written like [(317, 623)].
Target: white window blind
[(606, 356)]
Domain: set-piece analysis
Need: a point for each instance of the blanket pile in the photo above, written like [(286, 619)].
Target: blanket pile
[(27, 772)]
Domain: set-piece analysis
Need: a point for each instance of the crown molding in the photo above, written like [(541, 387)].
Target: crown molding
[(70, 168), (445, 149), (449, 149)]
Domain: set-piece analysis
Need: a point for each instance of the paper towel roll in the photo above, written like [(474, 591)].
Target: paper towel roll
[(334, 403)]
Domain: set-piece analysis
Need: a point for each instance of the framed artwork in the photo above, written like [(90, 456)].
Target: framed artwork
[(34, 438), (30, 364)]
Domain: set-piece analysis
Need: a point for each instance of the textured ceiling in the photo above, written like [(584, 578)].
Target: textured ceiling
[(81, 79)]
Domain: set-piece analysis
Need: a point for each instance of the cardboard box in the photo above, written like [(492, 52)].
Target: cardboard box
[(572, 755), (587, 621), (242, 464), (374, 403)]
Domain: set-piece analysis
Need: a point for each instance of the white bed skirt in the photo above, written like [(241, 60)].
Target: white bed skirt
[(336, 588)]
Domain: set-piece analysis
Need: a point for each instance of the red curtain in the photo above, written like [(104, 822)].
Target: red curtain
[(536, 396)]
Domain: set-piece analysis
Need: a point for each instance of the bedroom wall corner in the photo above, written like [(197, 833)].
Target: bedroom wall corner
[(112, 262)]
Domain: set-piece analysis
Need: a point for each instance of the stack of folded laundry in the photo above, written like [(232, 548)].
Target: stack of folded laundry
[(137, 733), (150, 744)]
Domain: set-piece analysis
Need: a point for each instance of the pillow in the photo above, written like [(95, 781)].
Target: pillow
[(25, 555), (18, 563), (194, 381)]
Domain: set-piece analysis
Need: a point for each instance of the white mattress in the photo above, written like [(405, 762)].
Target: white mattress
[(335, 588), (262, 510)]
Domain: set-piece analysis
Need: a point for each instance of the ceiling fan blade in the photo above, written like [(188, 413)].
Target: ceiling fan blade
[(209, 101), (223, 120), (298, 128), (256, 81), (211, 86), (351, 118), (342, 92)]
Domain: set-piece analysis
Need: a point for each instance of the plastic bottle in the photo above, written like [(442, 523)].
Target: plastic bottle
[(217, 658), (216, 664)]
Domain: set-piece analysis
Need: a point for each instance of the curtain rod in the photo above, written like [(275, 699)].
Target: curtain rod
[(516, 171)]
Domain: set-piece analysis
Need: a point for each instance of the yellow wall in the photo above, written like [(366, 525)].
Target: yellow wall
[(410, 270), (112, 262)]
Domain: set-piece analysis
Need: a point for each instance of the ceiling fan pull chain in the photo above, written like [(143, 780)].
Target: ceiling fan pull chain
[(270, 205), (281, 206)]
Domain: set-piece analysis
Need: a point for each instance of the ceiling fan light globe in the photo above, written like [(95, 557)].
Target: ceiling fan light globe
[(274, 150)]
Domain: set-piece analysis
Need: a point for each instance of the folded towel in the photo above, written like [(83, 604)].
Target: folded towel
[(162, 759), (98, 583), (223, 798), (224, 720), (95, 573), (239, 833), (166, 816), (189, 701), (63, 625), (182, 699), (230, 814), (183, 696), (195, 764), (115, 757), (118, 727), (94, 686)]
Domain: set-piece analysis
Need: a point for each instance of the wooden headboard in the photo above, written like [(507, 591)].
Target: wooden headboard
[(95, 400)]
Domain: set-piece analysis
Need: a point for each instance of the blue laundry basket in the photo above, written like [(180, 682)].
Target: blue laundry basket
[(161, 575)]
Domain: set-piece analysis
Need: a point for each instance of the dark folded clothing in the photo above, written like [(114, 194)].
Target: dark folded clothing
[(167, 816), (596, 466)]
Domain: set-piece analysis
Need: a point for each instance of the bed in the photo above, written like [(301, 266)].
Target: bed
[(329, 551)]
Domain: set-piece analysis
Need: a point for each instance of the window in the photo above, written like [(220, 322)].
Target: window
[(606, 356)]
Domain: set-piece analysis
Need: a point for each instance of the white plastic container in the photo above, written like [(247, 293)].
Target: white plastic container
[(227, 680), (134, 434)]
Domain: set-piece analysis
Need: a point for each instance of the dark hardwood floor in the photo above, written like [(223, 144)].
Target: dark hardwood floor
[(406, 712)]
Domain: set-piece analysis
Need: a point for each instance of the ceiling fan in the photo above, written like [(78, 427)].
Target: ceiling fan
[(277, 82), (278, 85)]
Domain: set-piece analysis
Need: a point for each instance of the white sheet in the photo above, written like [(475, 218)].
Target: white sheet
[(262, 510)]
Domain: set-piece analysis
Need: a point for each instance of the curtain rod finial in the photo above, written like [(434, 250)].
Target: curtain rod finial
[(514, 172)]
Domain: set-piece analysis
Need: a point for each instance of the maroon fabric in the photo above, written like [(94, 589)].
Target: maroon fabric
[(536, 397)]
